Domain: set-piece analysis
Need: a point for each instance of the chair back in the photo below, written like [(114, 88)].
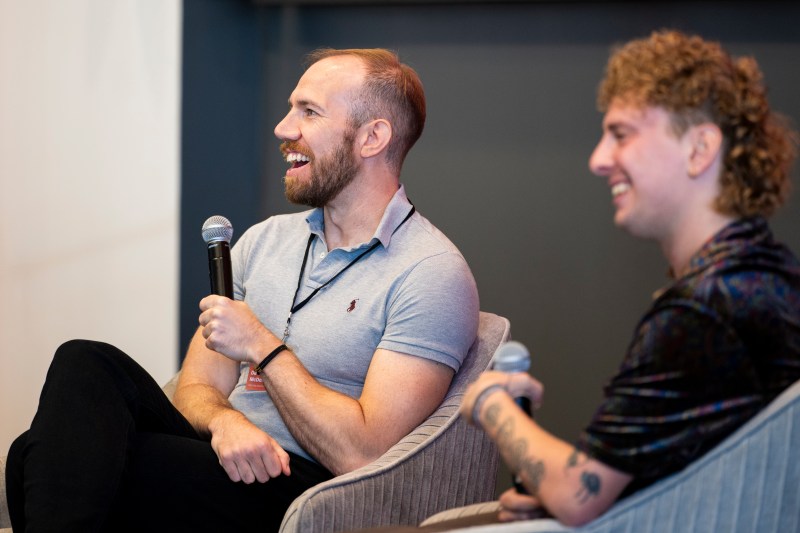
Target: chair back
[(749, 482)]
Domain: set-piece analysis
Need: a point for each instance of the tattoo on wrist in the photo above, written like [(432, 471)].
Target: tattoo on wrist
[(479, 401)]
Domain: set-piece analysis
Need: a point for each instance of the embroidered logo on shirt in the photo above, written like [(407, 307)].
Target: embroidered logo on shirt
[(352, 305)]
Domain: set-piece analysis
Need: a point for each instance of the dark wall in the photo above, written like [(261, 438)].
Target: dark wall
[(221, 136), (502, 165)]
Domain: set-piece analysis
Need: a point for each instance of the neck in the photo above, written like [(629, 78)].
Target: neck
[(353, 216), (686, 242)]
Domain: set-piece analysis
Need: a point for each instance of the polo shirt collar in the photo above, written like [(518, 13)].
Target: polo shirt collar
[(394, 214)]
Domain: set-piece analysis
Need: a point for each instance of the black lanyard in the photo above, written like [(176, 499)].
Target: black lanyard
[(296, 307)]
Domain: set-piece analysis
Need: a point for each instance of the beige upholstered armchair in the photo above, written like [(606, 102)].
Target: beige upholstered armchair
[(748, 483), (442, 464)]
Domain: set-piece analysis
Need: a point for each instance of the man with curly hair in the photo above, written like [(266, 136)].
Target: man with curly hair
[(695, 160)]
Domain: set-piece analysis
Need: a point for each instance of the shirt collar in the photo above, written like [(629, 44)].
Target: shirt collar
[(394, 215), (729, 241)]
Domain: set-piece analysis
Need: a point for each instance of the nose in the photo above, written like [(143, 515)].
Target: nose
[(286, 129), (601, 161)]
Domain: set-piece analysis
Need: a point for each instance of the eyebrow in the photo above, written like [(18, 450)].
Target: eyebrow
[(304, 103), (615, 127)]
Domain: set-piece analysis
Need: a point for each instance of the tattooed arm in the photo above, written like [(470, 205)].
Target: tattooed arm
[(572, 487)]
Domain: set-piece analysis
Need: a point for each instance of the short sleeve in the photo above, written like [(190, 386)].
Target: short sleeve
[(434, 311)]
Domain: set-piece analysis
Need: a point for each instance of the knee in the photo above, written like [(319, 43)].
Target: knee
[(81, 348), (17, 446), (84, 354), (75, 345), (71, 351), (15, 458)]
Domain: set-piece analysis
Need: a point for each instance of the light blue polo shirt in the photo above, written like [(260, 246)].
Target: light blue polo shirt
[(413, 294)]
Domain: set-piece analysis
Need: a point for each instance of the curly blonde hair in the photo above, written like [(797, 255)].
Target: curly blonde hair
[(697, 81)]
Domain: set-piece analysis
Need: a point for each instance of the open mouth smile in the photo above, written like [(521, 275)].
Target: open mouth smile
[(297, 159), (619, 189)]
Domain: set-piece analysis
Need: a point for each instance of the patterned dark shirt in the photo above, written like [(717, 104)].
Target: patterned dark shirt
[(717, 345)]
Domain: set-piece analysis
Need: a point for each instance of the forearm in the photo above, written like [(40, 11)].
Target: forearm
[(201, 405), (572, 487), (204, 384), (331, 426)]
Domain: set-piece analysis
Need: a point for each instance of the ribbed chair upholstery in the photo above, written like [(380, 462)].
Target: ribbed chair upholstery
[(749, 483), (442, 464), (5, 521)]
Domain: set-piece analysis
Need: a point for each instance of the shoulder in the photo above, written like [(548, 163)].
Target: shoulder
[(419, 242), (431, 260), (428, 236), (277, 223), (744, 285), (273, 230)]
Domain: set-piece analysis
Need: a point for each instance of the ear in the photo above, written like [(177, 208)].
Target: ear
[(374, 137), (705, 145)]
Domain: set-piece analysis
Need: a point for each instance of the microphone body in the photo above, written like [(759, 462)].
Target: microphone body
[(524, 403), (510, 357), (513, 356), (217, 232)]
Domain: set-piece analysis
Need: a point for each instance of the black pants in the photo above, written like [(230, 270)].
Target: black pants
[(107, 451)]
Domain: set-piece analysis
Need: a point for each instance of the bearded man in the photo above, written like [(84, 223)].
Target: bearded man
[(347, 325)]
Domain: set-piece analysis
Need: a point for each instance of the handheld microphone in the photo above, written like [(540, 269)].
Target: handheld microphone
[(513, 356), (217, 232)]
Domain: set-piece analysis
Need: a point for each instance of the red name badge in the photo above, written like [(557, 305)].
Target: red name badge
[(254, 381)]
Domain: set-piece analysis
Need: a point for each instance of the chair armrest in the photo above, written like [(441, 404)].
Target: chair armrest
[(463, 512), (746, 483), (5, 521), (391, 489), (541, 525)]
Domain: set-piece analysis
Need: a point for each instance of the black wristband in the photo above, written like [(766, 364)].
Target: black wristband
[(269, 358)]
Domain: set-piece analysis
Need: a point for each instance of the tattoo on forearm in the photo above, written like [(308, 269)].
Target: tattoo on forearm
[(504, 432), (590, 486), (532, 473), (515, 450), (590, 482), (572, 460), (492, 413), (575, 459)]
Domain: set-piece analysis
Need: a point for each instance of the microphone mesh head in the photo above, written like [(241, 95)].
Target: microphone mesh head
[(216, 229), (511, 356)]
